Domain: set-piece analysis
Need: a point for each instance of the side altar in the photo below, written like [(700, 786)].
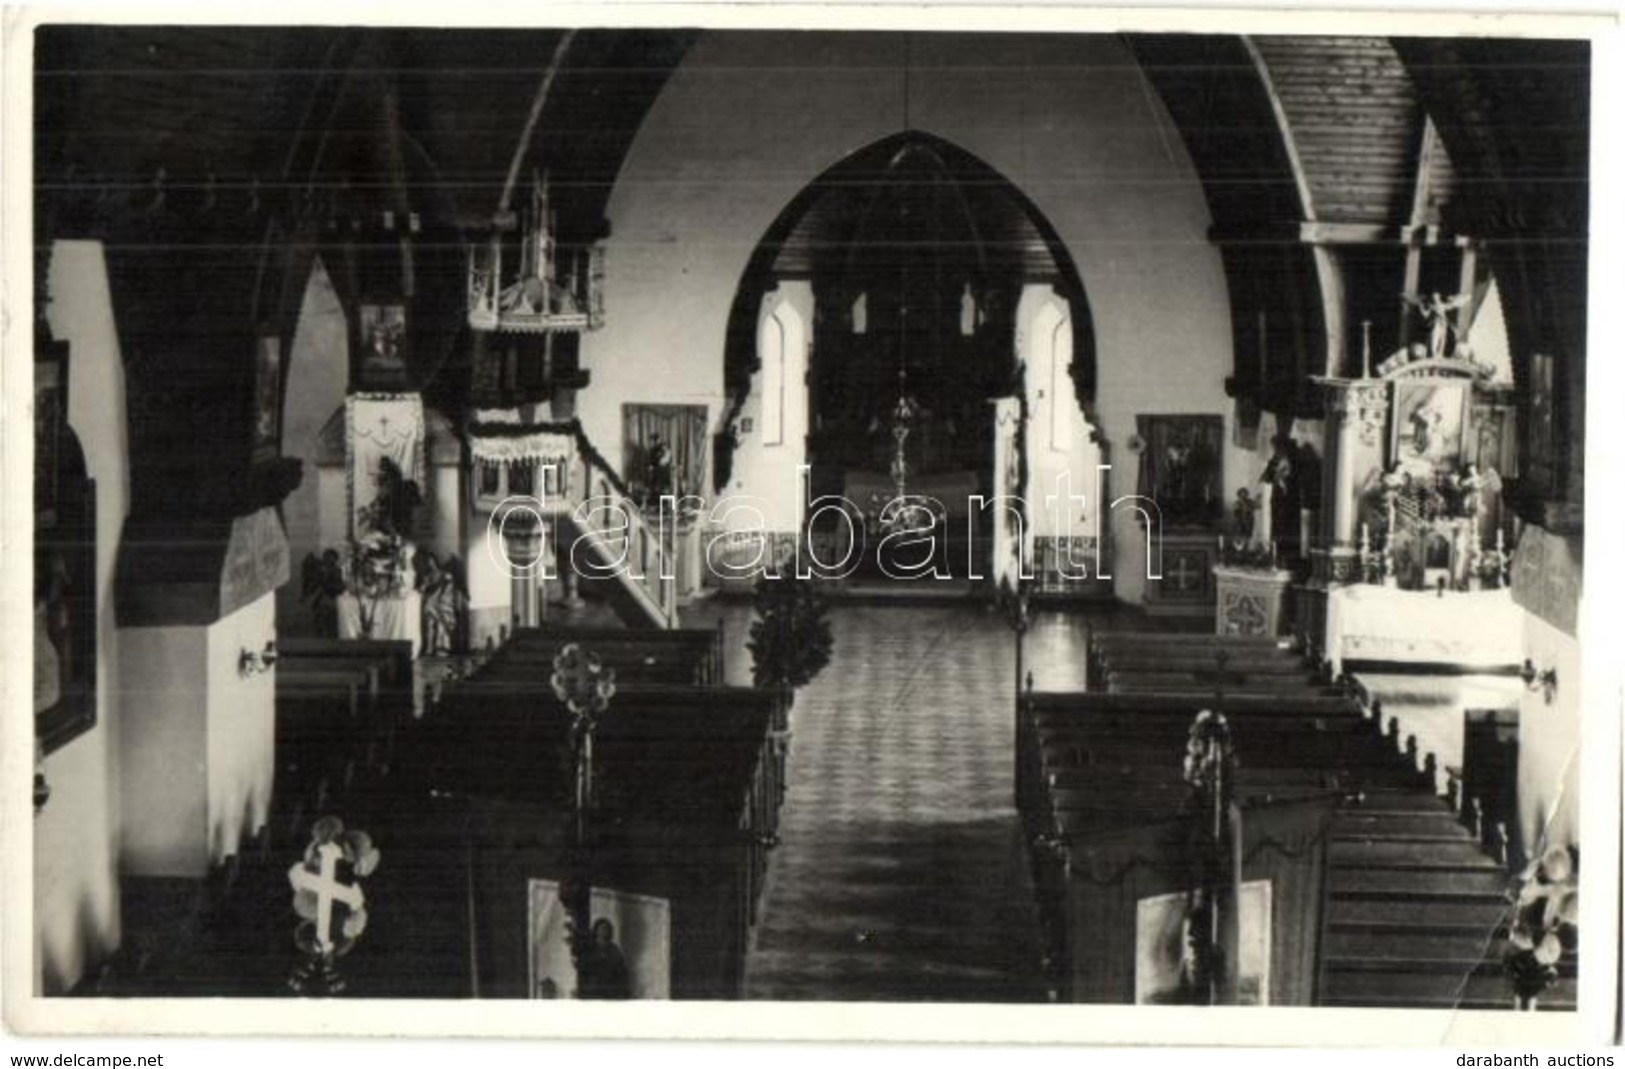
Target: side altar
[(1412, 525)]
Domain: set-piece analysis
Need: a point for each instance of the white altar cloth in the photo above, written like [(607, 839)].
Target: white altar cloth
[(396, 617), (1474, 629)]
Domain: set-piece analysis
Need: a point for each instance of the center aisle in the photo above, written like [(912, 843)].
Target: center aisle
[(901, 874)]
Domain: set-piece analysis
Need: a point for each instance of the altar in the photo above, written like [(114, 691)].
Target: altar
[(390, 616), (1251, 601)]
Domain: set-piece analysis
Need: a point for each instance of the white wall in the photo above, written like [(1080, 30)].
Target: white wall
[(770, 473), (1058, 442), (1549, 742), (199, 747), (164, 750), (747, 121), (76, 902), (241, 730)]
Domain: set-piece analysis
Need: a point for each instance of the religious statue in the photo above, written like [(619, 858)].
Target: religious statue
[(1436, 312), (322, 582), (395, 503), (1242, 516), (1287, 477), (1470, 487), (445, 602)]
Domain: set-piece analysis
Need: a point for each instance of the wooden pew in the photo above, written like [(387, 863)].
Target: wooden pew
[(1098, 770), (698, 651), (340, 707), (1107, 647), (1301, 684), (319, 717), (687, 810)]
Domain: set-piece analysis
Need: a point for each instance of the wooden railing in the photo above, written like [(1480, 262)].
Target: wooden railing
[(647, 552)]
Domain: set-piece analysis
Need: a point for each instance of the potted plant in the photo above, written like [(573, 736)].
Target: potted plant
[(1544, 925)]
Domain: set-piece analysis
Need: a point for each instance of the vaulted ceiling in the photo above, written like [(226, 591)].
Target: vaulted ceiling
[(202, 154)]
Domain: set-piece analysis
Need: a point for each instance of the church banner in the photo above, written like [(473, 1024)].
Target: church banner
[(381, 431)]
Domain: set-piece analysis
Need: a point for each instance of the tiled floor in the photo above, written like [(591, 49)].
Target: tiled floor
[(901, 874)]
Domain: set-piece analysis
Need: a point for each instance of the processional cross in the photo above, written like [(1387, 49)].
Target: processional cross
[(1210, 769), (327, 888)]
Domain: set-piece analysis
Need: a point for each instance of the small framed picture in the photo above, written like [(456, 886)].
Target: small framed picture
[(50, 423), (379, 352), (266, 418)]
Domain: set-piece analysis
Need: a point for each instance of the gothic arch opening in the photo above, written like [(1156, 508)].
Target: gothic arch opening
[(920, 262)]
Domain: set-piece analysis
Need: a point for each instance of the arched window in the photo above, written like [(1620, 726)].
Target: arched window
[(1052, 362), (780, 344)]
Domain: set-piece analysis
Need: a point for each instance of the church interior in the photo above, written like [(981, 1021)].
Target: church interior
[(1094, 517)]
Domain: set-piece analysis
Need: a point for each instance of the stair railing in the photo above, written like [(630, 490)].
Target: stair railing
[(596, 490)]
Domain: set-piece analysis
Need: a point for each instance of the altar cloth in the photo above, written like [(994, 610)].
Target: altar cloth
[(1472, 629), (395, 616)]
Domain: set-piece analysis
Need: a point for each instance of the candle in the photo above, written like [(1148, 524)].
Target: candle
[(1365, 534)]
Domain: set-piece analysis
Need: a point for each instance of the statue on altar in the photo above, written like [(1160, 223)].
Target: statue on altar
[(1242, 517), (1436, 312), (395, 503)]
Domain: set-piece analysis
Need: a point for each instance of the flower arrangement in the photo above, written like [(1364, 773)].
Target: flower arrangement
[(379, 565), (1239, 554), (581, 682), (1545, 922), (585, 686)]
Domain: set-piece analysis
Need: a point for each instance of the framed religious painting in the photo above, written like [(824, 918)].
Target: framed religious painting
[(50, 426), (65, 613), (266, 417), (1430, 422), (379, 351), (628, 955), (1181, 467)]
